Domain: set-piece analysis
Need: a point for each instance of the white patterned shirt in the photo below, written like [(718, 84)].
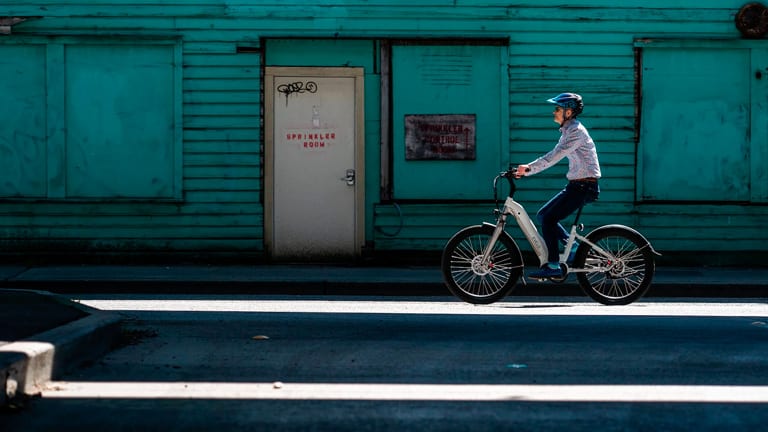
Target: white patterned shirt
[(575, 144)]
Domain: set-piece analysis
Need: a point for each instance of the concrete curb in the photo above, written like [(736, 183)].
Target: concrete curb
[(26, 366), (329, 286), (290, 279)]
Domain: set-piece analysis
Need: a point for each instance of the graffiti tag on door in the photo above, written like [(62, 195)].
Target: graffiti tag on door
[(297, 87)]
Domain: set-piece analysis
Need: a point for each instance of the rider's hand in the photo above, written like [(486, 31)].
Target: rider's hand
[(521, 170)]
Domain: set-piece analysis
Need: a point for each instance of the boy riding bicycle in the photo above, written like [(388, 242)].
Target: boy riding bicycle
[(575, 144)]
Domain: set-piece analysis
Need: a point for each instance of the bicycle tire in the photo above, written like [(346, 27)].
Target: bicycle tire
[(466, 277), (618, 281)]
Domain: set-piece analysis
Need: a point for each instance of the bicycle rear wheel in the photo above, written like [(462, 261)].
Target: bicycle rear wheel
[(475, 281), (621, 277)]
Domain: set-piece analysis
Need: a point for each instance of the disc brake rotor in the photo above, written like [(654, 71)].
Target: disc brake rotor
[(479, 267)]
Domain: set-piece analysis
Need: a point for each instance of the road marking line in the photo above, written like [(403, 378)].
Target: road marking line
[(433, 308), (408, 392)]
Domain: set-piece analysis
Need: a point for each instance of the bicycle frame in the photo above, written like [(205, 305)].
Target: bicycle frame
[(528, 228)]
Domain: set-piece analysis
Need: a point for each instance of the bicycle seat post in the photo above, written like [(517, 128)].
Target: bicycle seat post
[(578, 215)]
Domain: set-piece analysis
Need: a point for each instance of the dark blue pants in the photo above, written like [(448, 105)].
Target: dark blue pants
[(567, 201)]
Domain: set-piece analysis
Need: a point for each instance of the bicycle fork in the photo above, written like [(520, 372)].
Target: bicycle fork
[(497, 230)]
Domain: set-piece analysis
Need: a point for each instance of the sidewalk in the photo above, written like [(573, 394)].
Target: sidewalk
[(43, 333), (332, 279)]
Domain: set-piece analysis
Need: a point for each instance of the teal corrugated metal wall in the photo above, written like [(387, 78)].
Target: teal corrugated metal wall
[(586, 47)]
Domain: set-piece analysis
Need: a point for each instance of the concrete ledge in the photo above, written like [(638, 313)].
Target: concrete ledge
[(290, 279), (26, 366)]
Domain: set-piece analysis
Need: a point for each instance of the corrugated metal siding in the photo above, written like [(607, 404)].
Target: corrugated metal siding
[(222, 143), (221, 209), (582, 46)]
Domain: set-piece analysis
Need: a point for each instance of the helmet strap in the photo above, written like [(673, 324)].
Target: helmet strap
[(565, 119)]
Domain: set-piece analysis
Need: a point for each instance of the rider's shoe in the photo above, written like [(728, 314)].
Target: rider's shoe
[(547, 271)]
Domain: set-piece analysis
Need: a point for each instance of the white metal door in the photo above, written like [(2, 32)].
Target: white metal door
[(314, 163)]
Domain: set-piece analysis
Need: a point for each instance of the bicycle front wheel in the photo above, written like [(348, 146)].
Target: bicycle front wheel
[(619, 269), (473, 279)]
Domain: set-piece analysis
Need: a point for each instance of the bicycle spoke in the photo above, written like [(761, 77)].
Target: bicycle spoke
[(477, 279), (618, 270)]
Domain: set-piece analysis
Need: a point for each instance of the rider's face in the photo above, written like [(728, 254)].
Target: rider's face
[(559, 113)]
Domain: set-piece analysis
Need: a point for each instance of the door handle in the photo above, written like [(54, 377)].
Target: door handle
[(349, 178)]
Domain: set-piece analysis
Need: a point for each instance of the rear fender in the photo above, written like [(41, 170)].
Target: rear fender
[(626, 228)]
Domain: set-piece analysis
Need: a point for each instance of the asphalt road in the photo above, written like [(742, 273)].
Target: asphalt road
[(343, 363)]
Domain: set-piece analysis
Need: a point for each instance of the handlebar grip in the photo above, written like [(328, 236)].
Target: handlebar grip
[(512, 172)]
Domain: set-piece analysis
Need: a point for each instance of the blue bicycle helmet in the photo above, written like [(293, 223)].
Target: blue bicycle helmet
[(569, 101)]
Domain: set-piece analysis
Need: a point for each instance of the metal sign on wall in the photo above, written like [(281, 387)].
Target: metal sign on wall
[(440, 137)]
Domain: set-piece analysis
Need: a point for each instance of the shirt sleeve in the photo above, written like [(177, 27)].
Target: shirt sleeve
[(568, 143)]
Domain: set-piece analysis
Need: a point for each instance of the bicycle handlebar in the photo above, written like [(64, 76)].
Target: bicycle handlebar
[(510, 175)]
